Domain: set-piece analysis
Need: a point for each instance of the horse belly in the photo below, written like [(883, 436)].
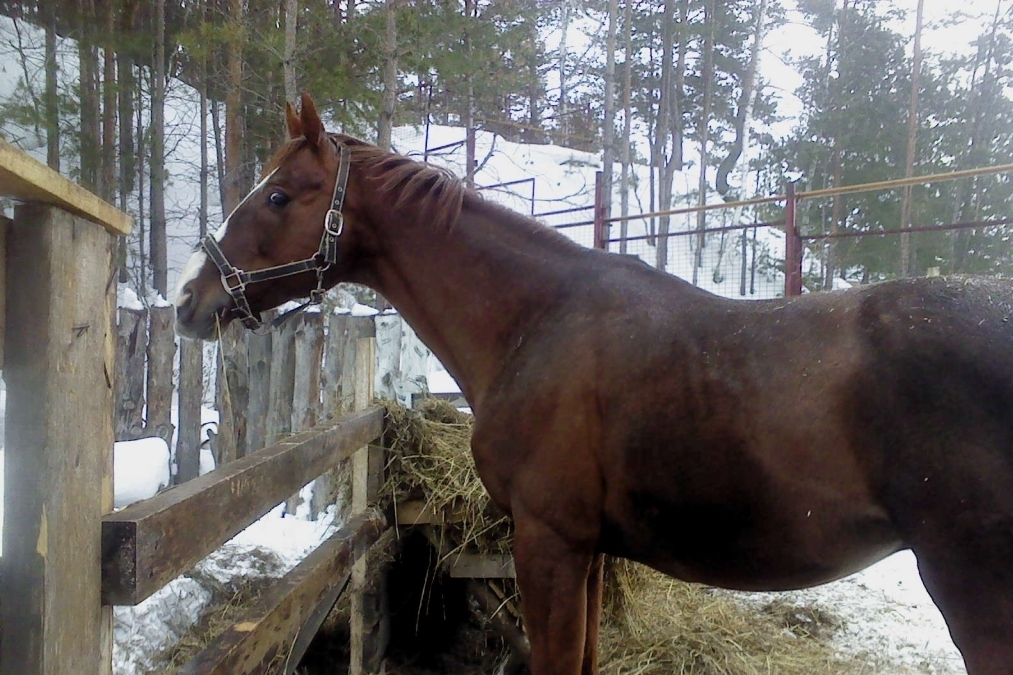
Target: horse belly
[(752, 546)]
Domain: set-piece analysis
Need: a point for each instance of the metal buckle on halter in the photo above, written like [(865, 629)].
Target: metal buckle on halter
[(240, 285), (333, 215)]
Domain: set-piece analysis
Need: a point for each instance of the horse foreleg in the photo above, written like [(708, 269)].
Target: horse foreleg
[(595, 582), (553, 577), (972, 584)]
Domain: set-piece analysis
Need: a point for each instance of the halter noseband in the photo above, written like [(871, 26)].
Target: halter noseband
[(236, 280)]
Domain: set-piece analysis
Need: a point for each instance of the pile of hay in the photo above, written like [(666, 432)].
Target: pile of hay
[(653, 625)]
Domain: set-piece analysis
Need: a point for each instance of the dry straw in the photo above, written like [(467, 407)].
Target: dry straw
[(654, 625)]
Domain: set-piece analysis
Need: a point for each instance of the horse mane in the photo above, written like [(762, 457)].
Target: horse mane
[(434, 190), (437, 191)]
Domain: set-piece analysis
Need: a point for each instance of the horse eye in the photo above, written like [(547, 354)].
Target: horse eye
[(278, 198)]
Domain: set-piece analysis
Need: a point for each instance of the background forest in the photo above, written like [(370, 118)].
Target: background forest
[(676, 85)]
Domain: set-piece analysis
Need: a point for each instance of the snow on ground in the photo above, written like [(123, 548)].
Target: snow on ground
[(140, 469), (888, 619), (269, 547)]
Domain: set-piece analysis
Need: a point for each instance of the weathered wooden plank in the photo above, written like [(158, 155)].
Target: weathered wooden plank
[(23, 177), (161, 355), (260, 389), (4, 224), (262, 640), (232, 393), (479, 566), (146, 545), (131, 347), (279, 415), (191, 392), (59, 431), (366, 614), (308, 353)]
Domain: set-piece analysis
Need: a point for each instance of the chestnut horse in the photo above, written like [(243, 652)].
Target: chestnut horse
[(756, 445)]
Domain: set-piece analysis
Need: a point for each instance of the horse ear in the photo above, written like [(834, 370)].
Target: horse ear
[(293, 121), (312, 127)]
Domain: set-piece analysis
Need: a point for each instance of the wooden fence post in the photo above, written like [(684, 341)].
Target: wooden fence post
[(260, 390), (232, 393), (307, 359), (131, 346), (161, 354), (59, 372), (279, 409), (191, 394), (368, 625)]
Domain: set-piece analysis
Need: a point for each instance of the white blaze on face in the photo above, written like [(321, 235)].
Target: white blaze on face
[(196, 262)]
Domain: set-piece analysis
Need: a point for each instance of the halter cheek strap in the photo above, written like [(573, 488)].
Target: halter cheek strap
[(235, 280)]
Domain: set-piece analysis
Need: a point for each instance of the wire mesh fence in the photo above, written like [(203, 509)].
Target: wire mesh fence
[(736, 261)]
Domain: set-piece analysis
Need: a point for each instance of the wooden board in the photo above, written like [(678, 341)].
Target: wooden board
[(23, 177), (474, 566), (59, 429), (146, 545), (262, 640), (418, 512)]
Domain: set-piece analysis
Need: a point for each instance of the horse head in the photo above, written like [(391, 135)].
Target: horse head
[(293, 236)]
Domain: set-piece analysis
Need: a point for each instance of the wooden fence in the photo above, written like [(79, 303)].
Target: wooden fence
[(66, 557), (56, 351)]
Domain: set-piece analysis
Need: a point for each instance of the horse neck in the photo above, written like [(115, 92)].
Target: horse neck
[(471, 290)]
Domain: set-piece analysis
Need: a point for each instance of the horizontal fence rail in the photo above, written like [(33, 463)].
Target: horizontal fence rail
[(146, 545), (265, 639)]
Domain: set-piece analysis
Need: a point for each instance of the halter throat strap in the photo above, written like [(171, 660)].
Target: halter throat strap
[(235, 280)]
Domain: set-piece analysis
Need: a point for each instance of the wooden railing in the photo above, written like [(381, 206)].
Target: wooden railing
[(147, 544), (56, 351)]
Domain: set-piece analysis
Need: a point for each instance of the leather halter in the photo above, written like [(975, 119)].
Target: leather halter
[(235, 280)]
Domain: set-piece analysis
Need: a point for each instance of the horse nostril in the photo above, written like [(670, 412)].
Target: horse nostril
[(185, 307)]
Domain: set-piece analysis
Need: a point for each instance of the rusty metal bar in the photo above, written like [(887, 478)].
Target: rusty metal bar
[(688, 233)]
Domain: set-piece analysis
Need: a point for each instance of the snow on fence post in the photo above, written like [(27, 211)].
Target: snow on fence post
[(131, 347), (59, 436), (388, 355), (191, 393), (161, 355)]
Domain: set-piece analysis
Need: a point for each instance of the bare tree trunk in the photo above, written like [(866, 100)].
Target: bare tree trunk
[(233, 109), (89, 98), (469, 105), (978, 107), (624, 194), (608, 132), (156, 231), (109, 86), (291, 21), (710, 10), (912, 136), (141, 223), (563, 112), (747, 94), (662, 129), (216, 128), (389, 98), (191, 353), (52, 99)]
